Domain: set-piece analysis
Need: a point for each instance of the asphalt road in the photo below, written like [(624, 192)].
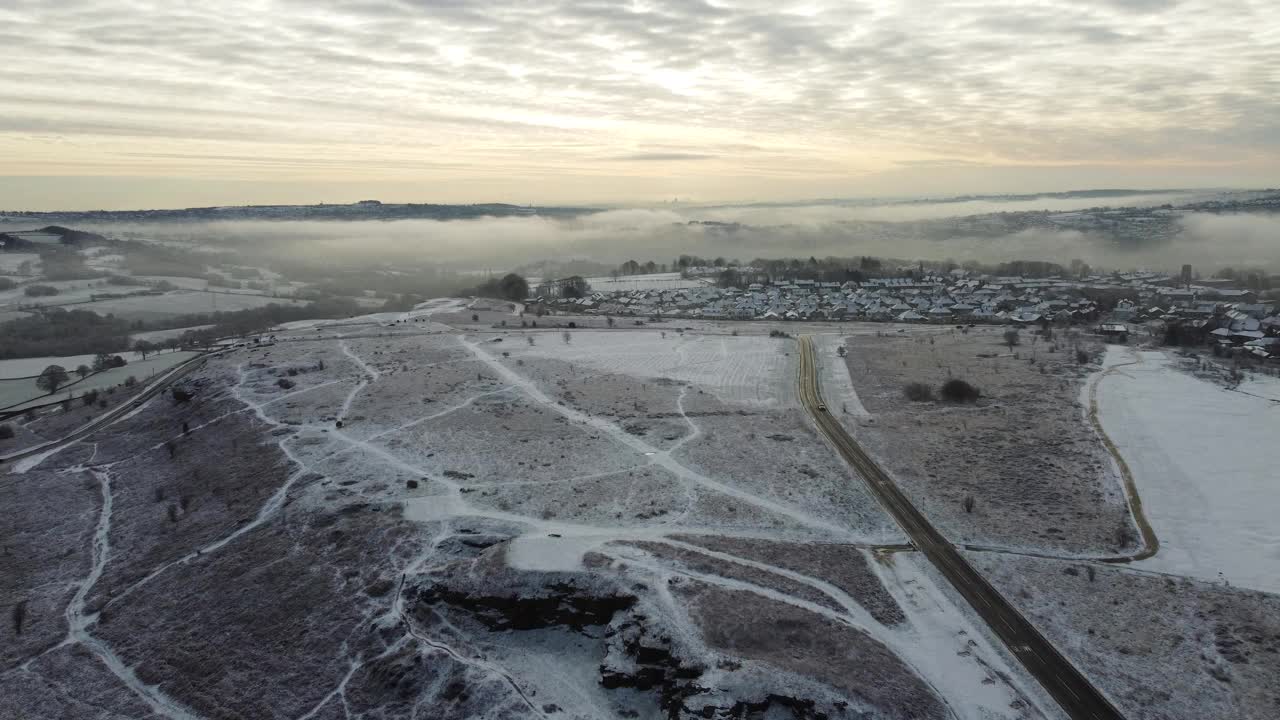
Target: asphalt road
[(1080, 699)]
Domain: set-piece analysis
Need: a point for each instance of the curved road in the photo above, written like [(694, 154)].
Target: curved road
[(1080, 699)]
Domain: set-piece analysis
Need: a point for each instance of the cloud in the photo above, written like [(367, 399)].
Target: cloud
[(663, 157), (836, 89)]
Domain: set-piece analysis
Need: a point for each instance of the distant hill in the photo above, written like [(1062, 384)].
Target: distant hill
[(28, 240), (73, 237), (364, 210)]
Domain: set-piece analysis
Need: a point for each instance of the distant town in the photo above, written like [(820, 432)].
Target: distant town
[(1190, 311)]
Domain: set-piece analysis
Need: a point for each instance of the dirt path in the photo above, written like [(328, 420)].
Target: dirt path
[(1151, 544)]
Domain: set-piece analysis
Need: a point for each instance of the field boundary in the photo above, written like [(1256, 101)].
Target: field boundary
[(1134, 500)]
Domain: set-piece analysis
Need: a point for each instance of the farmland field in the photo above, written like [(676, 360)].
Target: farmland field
[(154, 307), (15, 391)]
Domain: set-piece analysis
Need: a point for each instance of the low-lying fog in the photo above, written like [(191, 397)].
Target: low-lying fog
[(1207, 241)]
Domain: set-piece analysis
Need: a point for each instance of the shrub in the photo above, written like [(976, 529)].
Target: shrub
[(130, 381), (6, 432), (285, 383), (1082, 357), (1011, 338), (19, 616), (40, 290), (918, 392), (958, 391), (89, 397)]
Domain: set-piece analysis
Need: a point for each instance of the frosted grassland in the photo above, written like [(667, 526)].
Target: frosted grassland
[(383, 521)]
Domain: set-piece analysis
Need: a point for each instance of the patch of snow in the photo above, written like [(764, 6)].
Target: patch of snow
[(942, 642), (1202, 458), (750, 370), (837, 384)]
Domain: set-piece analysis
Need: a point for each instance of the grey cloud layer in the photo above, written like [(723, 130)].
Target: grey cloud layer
[(558, 85)]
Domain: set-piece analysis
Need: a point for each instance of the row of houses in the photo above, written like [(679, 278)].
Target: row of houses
[(924, 299), (1217, 313)]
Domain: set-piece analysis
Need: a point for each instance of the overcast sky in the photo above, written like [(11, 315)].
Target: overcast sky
[(126, 103)]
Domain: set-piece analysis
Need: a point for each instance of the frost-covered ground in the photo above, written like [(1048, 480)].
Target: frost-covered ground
[(16, 391), (69, 291), (1160, 647), (151, 307), (746, 369), (400, 523), (10, 262), (159, 336), (30, 367), (1203, 459), (1040, 478)]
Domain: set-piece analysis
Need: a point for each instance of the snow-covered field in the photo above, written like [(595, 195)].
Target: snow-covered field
[(656, 281), (1203, 459), (14, 391), (383, 473), (149, 307), (159, 336), (747, 369), (10, 262), (69, 291)]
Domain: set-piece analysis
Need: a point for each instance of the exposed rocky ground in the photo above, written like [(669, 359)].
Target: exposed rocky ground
[(421, 526)]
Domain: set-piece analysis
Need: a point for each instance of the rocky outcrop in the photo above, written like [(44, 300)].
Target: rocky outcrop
[(500, 598)]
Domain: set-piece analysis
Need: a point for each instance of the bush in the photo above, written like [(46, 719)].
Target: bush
[(89, 397), (1082, 357), (918, 392), (130, 381), (1011, 338), (6, 432), (40, 290), (959, 391), (285, 383)]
